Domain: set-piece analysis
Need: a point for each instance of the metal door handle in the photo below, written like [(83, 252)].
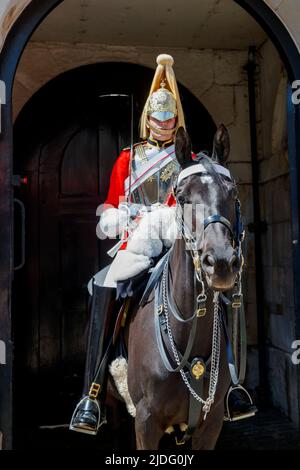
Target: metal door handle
[(20, 203)]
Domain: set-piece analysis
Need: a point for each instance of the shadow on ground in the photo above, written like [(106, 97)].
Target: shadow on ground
[(268, 430)]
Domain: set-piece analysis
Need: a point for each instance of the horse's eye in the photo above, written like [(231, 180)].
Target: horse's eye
[(233, 191), (180, 198)]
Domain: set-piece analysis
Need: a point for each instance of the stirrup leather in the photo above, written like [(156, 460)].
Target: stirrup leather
[(230, 416), (94, 390)]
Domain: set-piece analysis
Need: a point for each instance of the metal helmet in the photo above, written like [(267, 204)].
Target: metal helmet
[(162, 104)]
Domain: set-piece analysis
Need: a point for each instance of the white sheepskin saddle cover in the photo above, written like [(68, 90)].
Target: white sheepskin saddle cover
[(156, 230), (119, 371)]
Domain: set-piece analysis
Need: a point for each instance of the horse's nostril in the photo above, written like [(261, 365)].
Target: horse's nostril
[(209, 261)]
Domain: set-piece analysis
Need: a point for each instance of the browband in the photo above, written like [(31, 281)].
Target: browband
[(199, 168)]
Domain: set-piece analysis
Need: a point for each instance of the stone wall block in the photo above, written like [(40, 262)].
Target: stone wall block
[(275, 166), (281, 241), (283, 383), (241, 171), (281, 331), (252, 371), (219, 101), (228, 67), (249, 287)]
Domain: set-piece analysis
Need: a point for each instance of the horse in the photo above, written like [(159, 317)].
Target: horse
[(161, 397)]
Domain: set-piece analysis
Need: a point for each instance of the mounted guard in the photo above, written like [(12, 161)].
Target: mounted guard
[(142, 175), (141, 183)]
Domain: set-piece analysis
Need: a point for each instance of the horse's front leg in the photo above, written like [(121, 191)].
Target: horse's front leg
[(206, 436), (147, 429)]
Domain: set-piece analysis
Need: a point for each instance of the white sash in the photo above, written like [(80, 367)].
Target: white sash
[(156, 163)]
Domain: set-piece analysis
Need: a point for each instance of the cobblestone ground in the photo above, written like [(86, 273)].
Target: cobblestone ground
[(268, 430)]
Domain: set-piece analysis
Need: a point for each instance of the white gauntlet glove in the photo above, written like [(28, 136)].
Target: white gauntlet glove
[(113, 221)]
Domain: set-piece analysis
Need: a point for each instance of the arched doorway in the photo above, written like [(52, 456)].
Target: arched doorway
[(67, 138), (15, 43)]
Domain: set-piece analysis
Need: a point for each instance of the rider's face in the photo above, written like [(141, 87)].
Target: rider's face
[(165, 125)]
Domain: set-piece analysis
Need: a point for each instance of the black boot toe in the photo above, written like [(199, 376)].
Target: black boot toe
[(86, 417)]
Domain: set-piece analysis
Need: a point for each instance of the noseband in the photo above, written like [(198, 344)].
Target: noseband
[(237, 233)]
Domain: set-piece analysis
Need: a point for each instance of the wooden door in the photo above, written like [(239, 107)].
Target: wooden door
[(68, 177), (69, 252)]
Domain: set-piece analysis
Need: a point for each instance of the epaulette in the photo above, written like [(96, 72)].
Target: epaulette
[(134, 145)]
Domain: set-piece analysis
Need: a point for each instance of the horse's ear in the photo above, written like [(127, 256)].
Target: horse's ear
[(221, 147), (183, 148)]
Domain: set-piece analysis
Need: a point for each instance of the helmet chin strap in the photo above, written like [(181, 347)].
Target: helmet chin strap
[(157, 130)]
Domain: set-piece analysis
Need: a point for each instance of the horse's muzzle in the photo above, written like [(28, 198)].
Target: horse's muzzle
[(221, 270)]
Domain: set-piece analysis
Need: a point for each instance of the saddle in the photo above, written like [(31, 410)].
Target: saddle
[(135, 292)]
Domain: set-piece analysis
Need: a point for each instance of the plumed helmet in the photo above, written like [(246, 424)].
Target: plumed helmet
[(163, 102)]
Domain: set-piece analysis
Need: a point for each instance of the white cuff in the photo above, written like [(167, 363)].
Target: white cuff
[(113, 221)]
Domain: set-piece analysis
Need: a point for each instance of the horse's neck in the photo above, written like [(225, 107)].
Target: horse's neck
[(182, 273), (183, 292)]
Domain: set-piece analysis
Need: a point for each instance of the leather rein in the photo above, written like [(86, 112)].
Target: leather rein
[(194, 370)]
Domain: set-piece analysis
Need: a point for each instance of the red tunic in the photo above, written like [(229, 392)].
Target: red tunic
[(118, 176)]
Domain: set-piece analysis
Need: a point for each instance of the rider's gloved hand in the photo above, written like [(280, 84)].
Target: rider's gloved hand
[(133, 210), (113, 221), (128, 209)]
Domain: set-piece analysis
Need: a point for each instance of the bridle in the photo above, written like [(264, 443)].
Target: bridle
[(237, 232), (165, 307)]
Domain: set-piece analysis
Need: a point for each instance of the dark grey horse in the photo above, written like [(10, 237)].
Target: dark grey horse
[(161, 398)]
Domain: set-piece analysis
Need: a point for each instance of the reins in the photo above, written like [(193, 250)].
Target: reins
[(193, 371)]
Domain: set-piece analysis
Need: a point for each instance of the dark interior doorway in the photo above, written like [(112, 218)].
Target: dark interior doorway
[(66, 140)]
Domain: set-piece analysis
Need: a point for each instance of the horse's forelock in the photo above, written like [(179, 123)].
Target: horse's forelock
[(208, 164)]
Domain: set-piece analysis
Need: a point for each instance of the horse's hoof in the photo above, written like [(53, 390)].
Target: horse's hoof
[(170, 430), (183, 427)]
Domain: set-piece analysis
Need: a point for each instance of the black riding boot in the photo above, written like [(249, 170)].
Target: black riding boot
[(89, 413)]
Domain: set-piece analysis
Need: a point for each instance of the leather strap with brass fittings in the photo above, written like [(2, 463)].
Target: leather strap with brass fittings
[(196, 261), (160, 309), (94, 390), (237, 300), (197, 372), (201, 309), (125, 313)]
